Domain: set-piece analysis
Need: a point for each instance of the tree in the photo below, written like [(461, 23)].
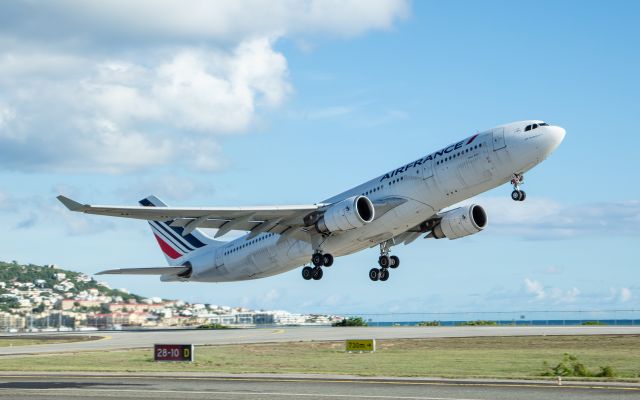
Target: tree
[(351, 321)]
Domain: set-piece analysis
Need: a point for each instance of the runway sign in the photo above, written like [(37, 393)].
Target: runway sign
[(360, 345), (173, 352)]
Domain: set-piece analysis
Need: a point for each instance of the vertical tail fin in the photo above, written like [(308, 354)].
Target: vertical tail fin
[(176, 247)]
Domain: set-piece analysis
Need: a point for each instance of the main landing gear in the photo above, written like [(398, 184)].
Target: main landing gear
[(385, 262), (314, 273), (318, 260), (517, 194)]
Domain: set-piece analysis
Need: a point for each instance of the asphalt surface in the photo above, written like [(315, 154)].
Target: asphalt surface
[(143, 339), (271, 387)]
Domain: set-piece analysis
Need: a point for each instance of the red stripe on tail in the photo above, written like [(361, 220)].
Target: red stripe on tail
[(168, 250)]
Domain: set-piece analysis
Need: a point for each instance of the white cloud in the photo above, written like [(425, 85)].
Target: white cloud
[(123, 116), (93, 86), (6, 116), (534, 287), (625, 295), (212, 92), (547, 219), (202, 19), (551, 294), (169, 187)]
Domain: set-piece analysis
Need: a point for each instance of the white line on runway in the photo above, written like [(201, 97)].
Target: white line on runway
[(185, 392)]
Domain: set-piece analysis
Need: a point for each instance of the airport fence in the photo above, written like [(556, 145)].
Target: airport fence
[(619, 317), (626, 317)]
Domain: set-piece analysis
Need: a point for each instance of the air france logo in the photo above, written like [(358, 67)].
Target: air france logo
[(433, 156)]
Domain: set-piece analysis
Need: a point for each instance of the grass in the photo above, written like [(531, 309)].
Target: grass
[(488, 357), (9, 341)]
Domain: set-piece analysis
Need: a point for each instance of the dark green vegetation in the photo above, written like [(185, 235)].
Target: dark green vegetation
[(571, 366), (478, 323), (212, 326), (351, 321), (593, 323), (428, 323), (483, 357)]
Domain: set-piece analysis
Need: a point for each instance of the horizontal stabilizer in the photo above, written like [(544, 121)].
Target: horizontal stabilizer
[(72, 204), (145, 271)]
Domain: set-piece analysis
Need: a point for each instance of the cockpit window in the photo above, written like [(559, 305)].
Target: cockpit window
[(534, 126)]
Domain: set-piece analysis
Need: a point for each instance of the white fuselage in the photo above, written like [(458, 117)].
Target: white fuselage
[(434, 182)]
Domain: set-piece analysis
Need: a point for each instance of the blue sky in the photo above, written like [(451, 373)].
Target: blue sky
[(268, 103)]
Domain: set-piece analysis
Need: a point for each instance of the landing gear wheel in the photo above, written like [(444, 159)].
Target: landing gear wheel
[(317, 259), (374, 274), (384, 261), (317, 273), (327, 260), (523, 195), (384, 274), (395, 262), (516, 181), (516, 195), (307, 273)]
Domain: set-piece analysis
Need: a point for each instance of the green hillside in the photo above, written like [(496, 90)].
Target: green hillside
[(14, 272)]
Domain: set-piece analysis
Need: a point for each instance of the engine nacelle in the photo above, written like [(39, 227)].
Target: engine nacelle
[(460, 222), (347, 214)]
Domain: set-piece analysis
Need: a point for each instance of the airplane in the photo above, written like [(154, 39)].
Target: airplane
[(396, 207)]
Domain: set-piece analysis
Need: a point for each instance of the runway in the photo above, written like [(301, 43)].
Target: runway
[(183, 387), (116, 340)]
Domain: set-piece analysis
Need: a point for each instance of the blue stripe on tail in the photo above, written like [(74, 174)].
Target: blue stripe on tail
[(190, 242)]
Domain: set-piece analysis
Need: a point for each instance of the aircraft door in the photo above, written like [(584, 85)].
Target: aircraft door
[(498, 139), (427, 169), (219, 259)]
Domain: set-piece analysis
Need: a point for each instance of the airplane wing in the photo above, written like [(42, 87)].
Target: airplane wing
[(277, 219), (288, 221), (145, 271)]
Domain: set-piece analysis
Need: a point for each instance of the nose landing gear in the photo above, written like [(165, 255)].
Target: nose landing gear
[(517, 194)]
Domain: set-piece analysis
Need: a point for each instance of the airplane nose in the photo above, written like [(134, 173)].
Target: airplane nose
[(553, 136)]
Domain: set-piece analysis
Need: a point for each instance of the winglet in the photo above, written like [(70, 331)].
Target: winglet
[(71, 204)]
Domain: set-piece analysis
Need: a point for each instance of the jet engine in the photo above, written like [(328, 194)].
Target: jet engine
[(460, 222), (345, 215)]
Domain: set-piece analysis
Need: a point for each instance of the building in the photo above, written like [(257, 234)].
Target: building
[(108, 321), (53, 320), (68, 304), (10, 322)]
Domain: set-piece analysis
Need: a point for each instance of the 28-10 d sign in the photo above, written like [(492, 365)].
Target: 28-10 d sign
[(173, 352)]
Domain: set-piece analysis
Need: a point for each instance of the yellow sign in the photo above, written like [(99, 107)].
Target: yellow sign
[(360, 345)]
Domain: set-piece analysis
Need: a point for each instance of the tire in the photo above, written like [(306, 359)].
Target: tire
[(384, 274), (327, 260), (523, 195), (307, 273), (395, 262), (316, 259), (317, 273), (374, 274), (515, 195), (384, 261)]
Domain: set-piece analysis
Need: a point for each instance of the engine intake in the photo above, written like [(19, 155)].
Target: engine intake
[(347, 214), (460, 222)]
